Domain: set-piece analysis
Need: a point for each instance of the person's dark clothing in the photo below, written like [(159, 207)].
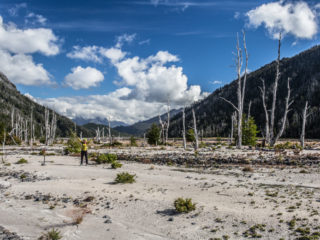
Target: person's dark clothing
[(84, 153)]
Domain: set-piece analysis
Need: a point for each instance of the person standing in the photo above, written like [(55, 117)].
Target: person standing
[(84, 151)]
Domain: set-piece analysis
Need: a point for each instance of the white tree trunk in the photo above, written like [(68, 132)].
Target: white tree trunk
[(305, 115), (184, 128), (168, 121), (274, 93), (233, 119), (263, 96), (3, 145), (239, 93), (195, 130), (109, 131), (284, 118), (31, 128), (249, 109), (162, 132)]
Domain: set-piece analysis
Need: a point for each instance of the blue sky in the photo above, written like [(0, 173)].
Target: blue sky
[(125, 59)]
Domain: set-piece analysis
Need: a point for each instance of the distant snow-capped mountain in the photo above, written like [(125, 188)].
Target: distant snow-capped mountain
[(103, 121)]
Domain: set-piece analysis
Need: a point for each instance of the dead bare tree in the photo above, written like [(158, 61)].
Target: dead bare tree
[(184, 128), (109, 131), (168, 121), (274, 92), (241, 85), (12, 118), (98, 134), (305, 115), (263, 96), (50, 128), (270, 135), (31, 128), (196, 145), (46, 125), (288, 103), (233, 120), (3, 145), (162, 132), (249, 109)]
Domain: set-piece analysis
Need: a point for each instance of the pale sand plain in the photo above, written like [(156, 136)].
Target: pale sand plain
[(228, 200)]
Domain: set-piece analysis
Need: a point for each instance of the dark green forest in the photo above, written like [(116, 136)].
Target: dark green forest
[(11, 98)]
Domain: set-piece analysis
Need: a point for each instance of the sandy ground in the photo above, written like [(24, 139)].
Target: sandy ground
[(229, 201)]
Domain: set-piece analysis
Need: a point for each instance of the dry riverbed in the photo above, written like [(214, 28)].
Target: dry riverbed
[(83, 202)]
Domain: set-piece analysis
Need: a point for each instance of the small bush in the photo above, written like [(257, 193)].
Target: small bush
[(116, 144), (184, 205), (73, 145), (125, 177), (42, 140), (133, 141), (190, 135), (51, 235), (22, 161), (247, 169), (116, 165), (42, 152), (93, 154), (153, 134), (288, 145), (106, 158)]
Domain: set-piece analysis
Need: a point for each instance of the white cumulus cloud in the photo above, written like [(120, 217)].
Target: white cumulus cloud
[(16, 45), (295, 18), (21, 69), (152, 80), (88, 53), (83, 77), (29, 40)]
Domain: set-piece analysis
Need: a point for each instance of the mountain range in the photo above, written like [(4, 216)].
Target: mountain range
[(99, 121)]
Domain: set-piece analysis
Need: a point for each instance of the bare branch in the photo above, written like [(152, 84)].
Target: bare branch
[(230, 103)]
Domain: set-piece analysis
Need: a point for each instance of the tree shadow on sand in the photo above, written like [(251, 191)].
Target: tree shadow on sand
[(167, 212)]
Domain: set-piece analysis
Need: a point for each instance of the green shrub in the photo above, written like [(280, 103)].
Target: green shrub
[(93, 155), (42, 152), (73, 144), (106, 158), (133, 141), (42, 140), (116, 144), (22, 161), (287, 145), (184, 205), (116, 165), (51, 235), (153, 134), (190, 135), (125, 177), (249, 132)]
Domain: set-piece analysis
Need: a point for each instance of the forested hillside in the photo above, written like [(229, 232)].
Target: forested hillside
[(214, 114), (11, 98)]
